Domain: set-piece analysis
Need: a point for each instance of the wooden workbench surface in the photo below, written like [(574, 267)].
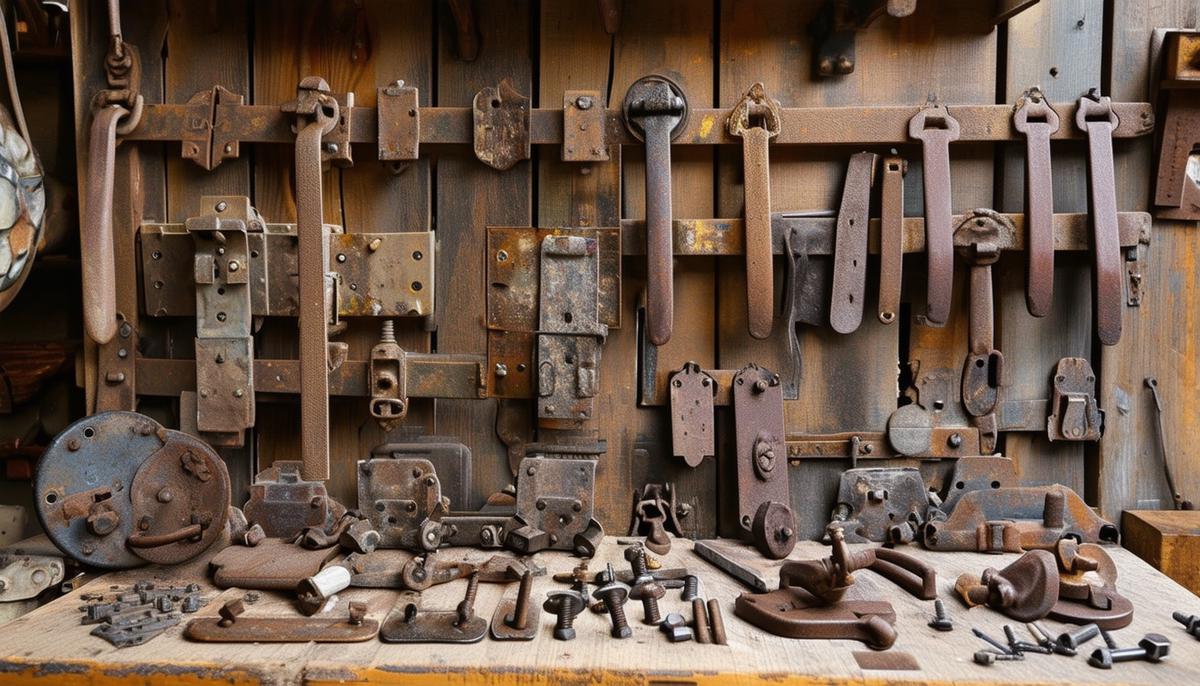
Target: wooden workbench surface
[(49, 644)]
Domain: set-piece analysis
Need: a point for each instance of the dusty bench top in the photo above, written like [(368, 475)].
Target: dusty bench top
[(50, 645)]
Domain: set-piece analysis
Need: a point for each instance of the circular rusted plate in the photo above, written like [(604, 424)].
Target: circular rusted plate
[(182, 484), (774, 530), (910, 430), (86, 473)]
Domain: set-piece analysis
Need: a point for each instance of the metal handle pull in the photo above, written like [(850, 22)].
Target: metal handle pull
[(891, 238), (156, 540), (756, 119), (1096, 118), (96, 235), (935, 128), (1038, 121), (983, 232), (655, 111), (850, 249)]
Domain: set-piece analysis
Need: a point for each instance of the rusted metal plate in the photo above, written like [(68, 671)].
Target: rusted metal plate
[(280, 630), (891, 237), (446, 456), (399, 496), (25, 575), (501, 124), (273, 564), (584, 128), (976, 473), (384, 274), (692, 430), (556, 499), (407, 624), (871, 501), (284, 504), (569, 328), (399, 122), (1017, 518), (1074, 413), (764, 510), (850, 255), (944, 442)]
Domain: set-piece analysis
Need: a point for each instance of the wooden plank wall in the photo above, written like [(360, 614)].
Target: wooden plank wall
[(715, 50)]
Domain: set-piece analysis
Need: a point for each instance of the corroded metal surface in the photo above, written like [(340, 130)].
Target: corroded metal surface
[(283, 503), (764, 512)]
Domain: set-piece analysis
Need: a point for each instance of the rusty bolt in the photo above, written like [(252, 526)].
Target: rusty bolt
[(501, 370), (987, 657), (955, 440), (649, 593), (73, 444), (565, 605), (940, 621), (358, 611), (1191, 623), (1078, 637), (614, 595), (636, 557), (103, 523), (466, 608), (234, 266), (230, 610), (584, 102), (341, 257), (691, 588), (165, 495), (222, 206)]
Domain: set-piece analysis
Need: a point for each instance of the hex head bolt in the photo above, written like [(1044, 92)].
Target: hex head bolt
[(940, 621), (230, 610), (1073, 640), (987, 657), (716, 622), (614, 594), (700, 621), (466, 609), (520, 614), (1152, 648), (691, 588), (676, 628), (649, 592), (1191, 623), (565, 605)]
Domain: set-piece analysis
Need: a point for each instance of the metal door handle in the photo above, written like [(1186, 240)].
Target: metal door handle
[(1096, 118), (1037, 120), (935, 128), (96, 234)]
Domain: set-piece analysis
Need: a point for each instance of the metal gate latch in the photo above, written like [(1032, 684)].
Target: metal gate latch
[(762, 466), (982, 233), (284, 504), (1074, 413), (850, 250), (1096, 118), (935, 128), (655, 112), (569, 328), (389, 387), (1037, 120), (756, 120)]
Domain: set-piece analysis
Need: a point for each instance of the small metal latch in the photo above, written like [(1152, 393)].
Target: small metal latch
[(1074, 412), (584, 127), (983, 232), (399, 122), (389, 387), (501, 116)]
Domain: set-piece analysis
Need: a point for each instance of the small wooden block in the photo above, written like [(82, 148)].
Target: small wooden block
[(1167, 539)]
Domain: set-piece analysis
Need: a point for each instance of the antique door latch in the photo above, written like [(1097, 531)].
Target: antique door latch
[(936, 128), (655, 112), (655, 514), (569, 331), (881, 504), (764, 512), (692, 414), (1096, 118), (756, 120), (1037, 121), (982, 233), (284, 504)]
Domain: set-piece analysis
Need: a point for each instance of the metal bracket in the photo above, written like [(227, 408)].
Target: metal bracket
[(501, 116), (936, 128), (875, 503), (692, 430), (284, 504), (585, 130), (764, 512), (850, 254), (1074, 413), (1096, 118), (399, 122), (232, 627), (984, 231), (1037, 120)]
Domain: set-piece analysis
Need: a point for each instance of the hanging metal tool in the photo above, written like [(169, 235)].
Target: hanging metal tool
[(764, 510), (935, 128), (850, 251), (655, 112), (755, 119), (891, 237), (1179, 501), (983, 232), (1096, 118), (1037, 120)]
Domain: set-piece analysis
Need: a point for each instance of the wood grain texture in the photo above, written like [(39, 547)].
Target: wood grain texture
[(1169, 540), (1158, 338)]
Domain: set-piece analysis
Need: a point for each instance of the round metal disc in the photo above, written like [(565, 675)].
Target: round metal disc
[(774, 530), (910, 430), (85, 473), (183, 484), (636, 91)]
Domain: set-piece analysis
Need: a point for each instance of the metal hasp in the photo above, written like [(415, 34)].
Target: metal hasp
[(402, 498), (983, 232), (556, 502), (585, 129), (1096, 118), (656, 112), (755, 119), (850, 245), (891, 237), (764, 512), (692, 431), (399, 124), (284, 504), (1177, 499), (224, 342), (116, 490), (881, 504), (1177, 189), (1075, 414), (1037, 121), (317, 115), (1025, 590), (1013, 519), (1087, 588), (231, 626), (501, 117), (409, 624), (569, 329), (389, 388), (810, 604), (936, 128)]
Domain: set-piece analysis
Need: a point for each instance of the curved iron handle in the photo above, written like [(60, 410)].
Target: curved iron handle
[(156, 540), (96, 232)]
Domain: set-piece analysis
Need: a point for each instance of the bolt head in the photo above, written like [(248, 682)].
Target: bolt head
[(1101, 658), (633, 552), (566, 633), (622, 631), (650, 589), (1156, 646), (941, 624), (613, 592), (984, 657)]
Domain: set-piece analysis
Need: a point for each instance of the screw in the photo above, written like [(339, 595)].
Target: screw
[(940, 621), (1108, 639), (466, 609), (955, 440), (700, 621), (691, 588), (636, 556), (565, 605), (716, 622), (991, 641), (1152, 648), (517, 620), (1191, 623), (1078, 637), (649, 592), (614, 594), (987, 657), (584, 102), (1011, 637)]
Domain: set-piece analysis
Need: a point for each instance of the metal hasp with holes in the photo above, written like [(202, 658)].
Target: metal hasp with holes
[(983, 232), (570, 331), (810, 604), (116, 490), (585, 130), (1025, 590), (891, 237), (402, 498), (764, 512), (1096, 118), (1087, 588), (1014, 519), (555, 505), (755, 119), (283, 503), (872, 503), (935, 128), (399, 122), (1177, 189), (1035, 119), (692, 431), (317, 115), (850, 252), (501, 117), (231, 626), (655, 515), (224, 344), (1075, 415), (656, 112), (976, 473)]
